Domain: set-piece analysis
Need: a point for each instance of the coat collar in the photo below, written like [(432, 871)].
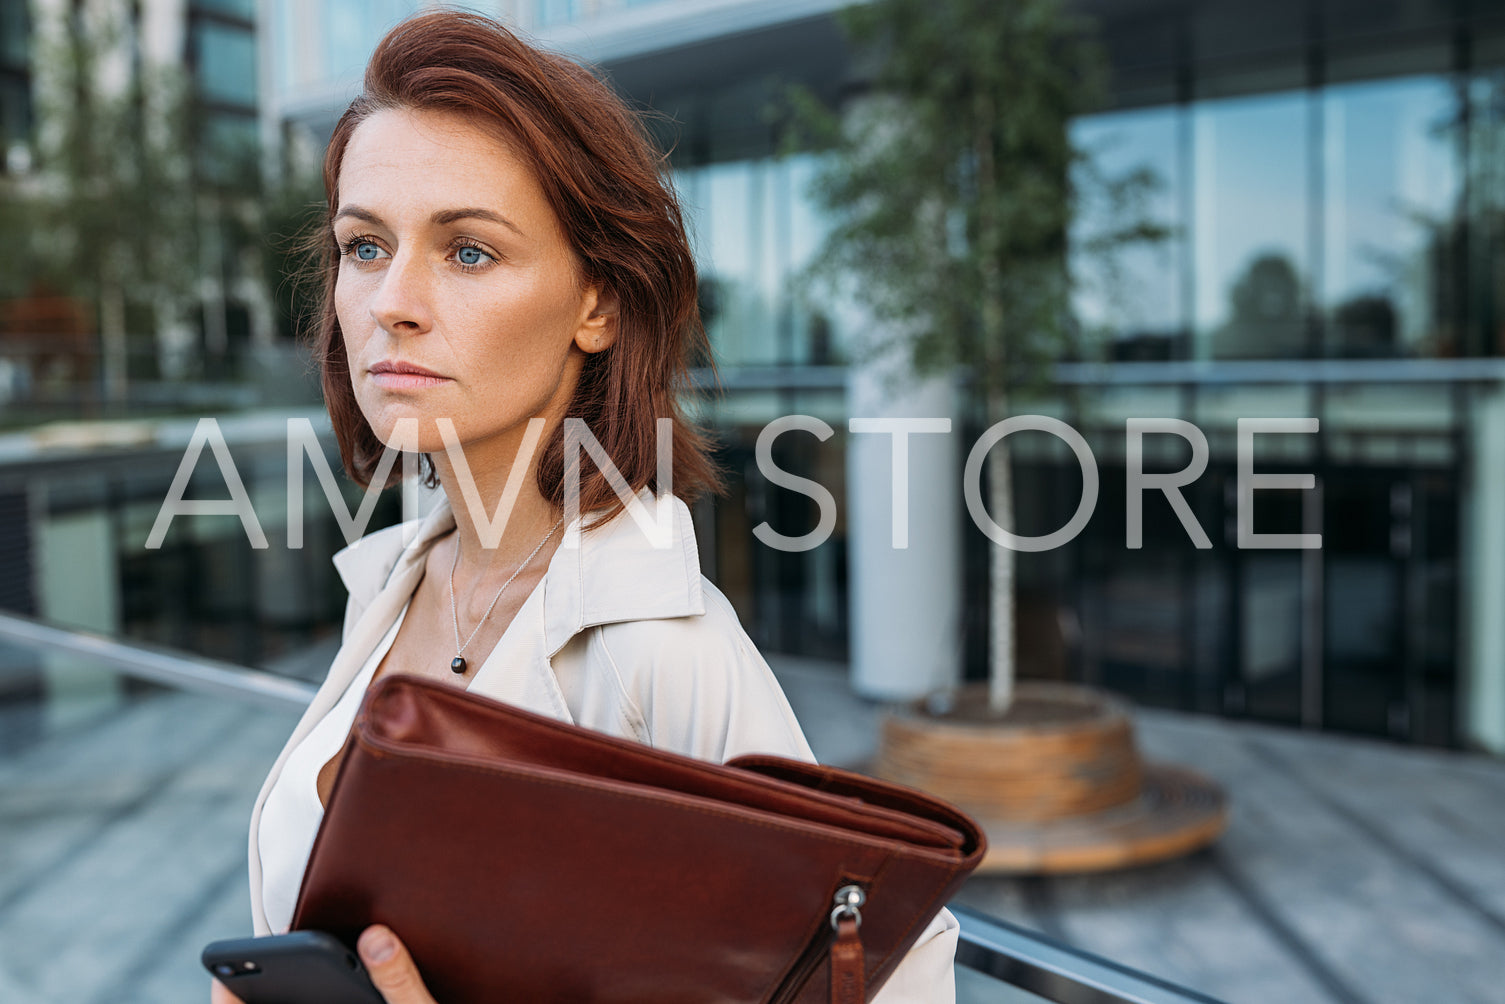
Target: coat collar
[(603, 575)]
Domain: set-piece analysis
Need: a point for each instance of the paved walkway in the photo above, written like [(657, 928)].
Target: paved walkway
[(122, 851), (1352, 872)]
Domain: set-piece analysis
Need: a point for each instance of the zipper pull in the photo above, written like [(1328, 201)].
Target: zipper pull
[(846, 948)]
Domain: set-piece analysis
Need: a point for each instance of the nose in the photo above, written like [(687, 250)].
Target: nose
[(400, 303)]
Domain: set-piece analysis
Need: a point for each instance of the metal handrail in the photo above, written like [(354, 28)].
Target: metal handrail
[(1014, 955), (161, 665), (1057, 972)]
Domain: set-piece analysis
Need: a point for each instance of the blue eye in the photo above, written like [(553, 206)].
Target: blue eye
[(362, 249), (468, 255)]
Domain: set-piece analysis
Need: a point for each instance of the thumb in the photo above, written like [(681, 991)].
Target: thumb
[(391, 967), (220, 994)]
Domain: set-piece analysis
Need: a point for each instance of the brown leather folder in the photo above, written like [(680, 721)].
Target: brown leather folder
[(523, 859)]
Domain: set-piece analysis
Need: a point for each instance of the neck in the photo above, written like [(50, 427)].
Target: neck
[(496, 501)]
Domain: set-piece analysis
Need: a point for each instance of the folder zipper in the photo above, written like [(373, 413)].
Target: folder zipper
[(838, 941)]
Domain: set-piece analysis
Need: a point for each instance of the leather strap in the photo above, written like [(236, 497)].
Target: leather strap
[(846, 964)]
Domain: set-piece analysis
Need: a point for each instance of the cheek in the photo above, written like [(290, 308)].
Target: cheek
[(345, 313), (527, 332), (355, 335)]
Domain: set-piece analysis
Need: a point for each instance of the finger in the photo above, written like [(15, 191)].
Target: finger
[(220, 994), (391, 967)]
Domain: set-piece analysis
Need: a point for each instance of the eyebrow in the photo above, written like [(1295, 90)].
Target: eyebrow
[(443, 217), (447, 216)]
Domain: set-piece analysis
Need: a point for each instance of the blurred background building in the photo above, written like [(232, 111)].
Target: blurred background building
[(140, 289), (1334, 178)]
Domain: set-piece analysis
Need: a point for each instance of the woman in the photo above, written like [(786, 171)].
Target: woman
[(505, 253)]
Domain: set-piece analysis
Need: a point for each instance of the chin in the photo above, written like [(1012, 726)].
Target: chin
[(406, 429)]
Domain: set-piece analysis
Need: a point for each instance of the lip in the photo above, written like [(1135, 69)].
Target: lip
[(396, 375)]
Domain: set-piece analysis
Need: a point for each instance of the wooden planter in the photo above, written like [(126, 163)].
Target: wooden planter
[(1057, 781)]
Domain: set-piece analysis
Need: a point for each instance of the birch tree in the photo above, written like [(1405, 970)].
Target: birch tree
[(951, 188)]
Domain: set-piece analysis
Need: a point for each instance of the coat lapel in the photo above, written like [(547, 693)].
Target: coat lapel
[(614, 573), (606, 575), (361, 563), (518, 670)]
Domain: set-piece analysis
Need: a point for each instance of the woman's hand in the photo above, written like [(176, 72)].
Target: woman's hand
[(391, 967), (386, 960)]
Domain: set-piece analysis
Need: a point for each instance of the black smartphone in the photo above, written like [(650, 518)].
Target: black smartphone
[(301, 967)]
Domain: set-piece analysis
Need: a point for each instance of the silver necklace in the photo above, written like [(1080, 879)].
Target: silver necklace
[(458, 664)]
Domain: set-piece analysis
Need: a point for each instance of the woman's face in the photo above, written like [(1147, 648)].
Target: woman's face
[(457, 294)]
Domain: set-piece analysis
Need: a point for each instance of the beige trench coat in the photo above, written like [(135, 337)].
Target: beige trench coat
[(629, 639)]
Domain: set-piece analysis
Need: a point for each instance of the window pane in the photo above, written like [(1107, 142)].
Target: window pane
[(1391, 190), (730, 221), (1485, 305), (817, 338), (226, 63), (350, 30), (228, 148), (1251, 226), (1129, 302), (14, 32), (15, 113), (239, 8)]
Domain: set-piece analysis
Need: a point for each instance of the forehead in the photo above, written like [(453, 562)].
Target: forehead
[(401, 159)]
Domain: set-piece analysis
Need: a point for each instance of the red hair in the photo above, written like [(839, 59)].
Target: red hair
[(608, 185)]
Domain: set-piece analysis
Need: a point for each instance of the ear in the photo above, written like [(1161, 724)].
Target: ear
[(598, 330)]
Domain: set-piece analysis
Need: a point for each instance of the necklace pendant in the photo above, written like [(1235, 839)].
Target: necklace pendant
[(458, 664)]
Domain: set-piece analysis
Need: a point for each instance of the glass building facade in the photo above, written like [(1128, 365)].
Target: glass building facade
[(1331, 185), (1331, 178), (1331, 195), (1332, 188)]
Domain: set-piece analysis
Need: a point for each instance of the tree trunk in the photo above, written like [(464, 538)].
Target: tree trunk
[(1001, 599), (994, 359)]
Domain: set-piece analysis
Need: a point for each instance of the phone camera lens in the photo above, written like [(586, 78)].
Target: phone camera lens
[(224, 969)]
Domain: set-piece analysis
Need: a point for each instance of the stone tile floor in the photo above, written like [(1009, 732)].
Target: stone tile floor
[(1351, 872)]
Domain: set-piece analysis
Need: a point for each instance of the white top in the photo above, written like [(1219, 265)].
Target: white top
[(623, 635), (291, 816)]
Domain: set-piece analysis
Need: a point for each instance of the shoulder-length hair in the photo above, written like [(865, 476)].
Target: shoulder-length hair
[(607, 183)]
